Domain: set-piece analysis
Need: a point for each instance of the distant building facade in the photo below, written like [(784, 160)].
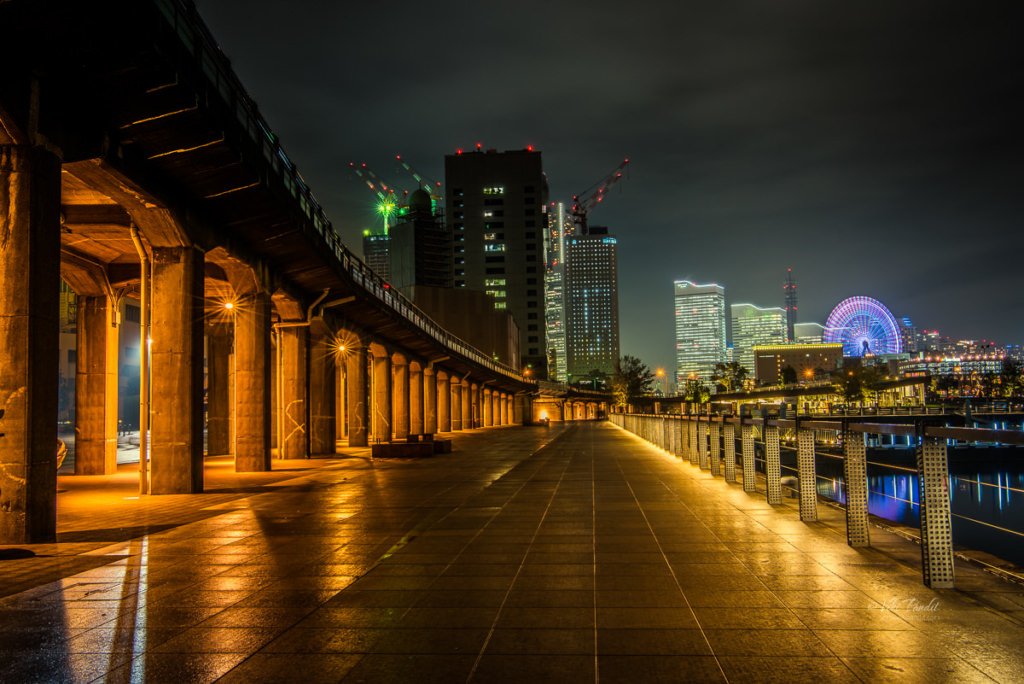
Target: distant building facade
[(559, 227), (808, 333), (699, 330), (807, 360), (376, 253), (495, 204), (753, 325), (591, 303)]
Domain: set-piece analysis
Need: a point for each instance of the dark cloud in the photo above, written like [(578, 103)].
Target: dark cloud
[(874, 146)]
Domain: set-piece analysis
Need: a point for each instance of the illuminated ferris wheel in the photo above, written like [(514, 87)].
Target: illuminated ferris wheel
[(863, 326)]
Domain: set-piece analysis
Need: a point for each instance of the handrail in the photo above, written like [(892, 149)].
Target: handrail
[(215, 66)]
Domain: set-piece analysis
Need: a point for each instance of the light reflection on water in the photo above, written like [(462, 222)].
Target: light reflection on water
[(895, 496)]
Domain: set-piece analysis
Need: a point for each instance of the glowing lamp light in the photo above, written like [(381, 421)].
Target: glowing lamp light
[(229, 305)]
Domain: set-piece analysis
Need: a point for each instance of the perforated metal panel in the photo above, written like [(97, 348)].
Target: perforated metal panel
[(693, 451), (936, 526), (749, 470), (702, 445), (855, 472), (807, 473), (730, 452), (716, 448), (772, 465)]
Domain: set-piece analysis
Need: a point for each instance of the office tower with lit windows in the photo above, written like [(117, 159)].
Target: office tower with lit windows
[(420, 249), (495, 204), (753, 325), (591, 304), (808, 333), (377, 253), (560, 227), (700, 330)]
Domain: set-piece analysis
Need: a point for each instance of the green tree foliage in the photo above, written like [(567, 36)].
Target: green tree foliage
[(788, 376), (696, 392), (730, 377), (1011, 378), (632, 379)]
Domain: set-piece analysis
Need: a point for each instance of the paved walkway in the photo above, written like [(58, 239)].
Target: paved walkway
[(575, 554)]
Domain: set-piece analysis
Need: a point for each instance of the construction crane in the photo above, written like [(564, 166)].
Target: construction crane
[(389, 200), (432, 188), (594, 195)]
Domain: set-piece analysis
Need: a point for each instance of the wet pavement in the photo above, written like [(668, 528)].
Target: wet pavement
[(528, 554)]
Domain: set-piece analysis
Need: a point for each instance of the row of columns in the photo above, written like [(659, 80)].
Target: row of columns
[(700, 440)]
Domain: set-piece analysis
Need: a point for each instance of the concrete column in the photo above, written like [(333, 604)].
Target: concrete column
[(415, 399), (749, 466), (253, 383), (488, 407), (96, 387), (855, 472), (772, 465), (382, 398), (467, 405), (730, 451), (218, 390), (29, 337), (936, 523), (177, 371), (506, 419), (702, 446), (716, 448), (293, 440), (522, 408), (430, 397), (444, 403), (400, 396), (456, 389), (322, 390), (807, 475), (356, 382)]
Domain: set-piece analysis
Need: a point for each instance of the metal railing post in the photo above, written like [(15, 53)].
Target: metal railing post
[(855, 472), (702, 444), (716, 448), (807, 474), (936, 523), (773, 465), (730, 452), (749, 466)]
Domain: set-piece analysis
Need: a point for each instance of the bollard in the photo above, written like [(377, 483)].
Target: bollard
[(730, 452), (855, 472), (772, 466), (749, 466), (716, 448), (807, 474), (936, 525), (702, 444)]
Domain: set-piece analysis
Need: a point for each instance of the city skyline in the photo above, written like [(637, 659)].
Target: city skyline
[(859, 145)]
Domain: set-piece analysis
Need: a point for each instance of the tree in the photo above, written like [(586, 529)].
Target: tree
[(850, 387), (632, 379), (696, 392), (730, 377), (788, 376), (1011, 378)]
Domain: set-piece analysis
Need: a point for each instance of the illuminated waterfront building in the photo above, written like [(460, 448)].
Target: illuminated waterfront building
[(808, 333), (754, 325), (591, 303), (809, 361), (700, 330)]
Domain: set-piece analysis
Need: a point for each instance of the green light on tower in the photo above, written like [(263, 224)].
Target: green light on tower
[(386, 210)]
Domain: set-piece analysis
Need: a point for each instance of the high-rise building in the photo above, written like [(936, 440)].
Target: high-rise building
[(495, 203), (376, 253), (420, 248), (790, 289), (753, 325), (808, 333), (560, 227), (591, 303), (700, 330)]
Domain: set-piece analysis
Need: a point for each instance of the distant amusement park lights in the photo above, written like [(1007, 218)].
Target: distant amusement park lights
[(863, 326)]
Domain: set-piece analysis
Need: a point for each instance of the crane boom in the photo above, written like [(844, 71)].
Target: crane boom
[(387, 199), (432, 188), (594, 195)]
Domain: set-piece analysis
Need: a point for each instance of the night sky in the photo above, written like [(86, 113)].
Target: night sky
[(875, 147)]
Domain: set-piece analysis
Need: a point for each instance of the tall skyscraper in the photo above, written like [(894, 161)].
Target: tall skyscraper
[(495, 205), (789, 288), (560, 227), (591, 303), (753, 325), (700, 330)]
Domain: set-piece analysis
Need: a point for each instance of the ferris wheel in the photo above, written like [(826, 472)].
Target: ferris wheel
[(863, 326)]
